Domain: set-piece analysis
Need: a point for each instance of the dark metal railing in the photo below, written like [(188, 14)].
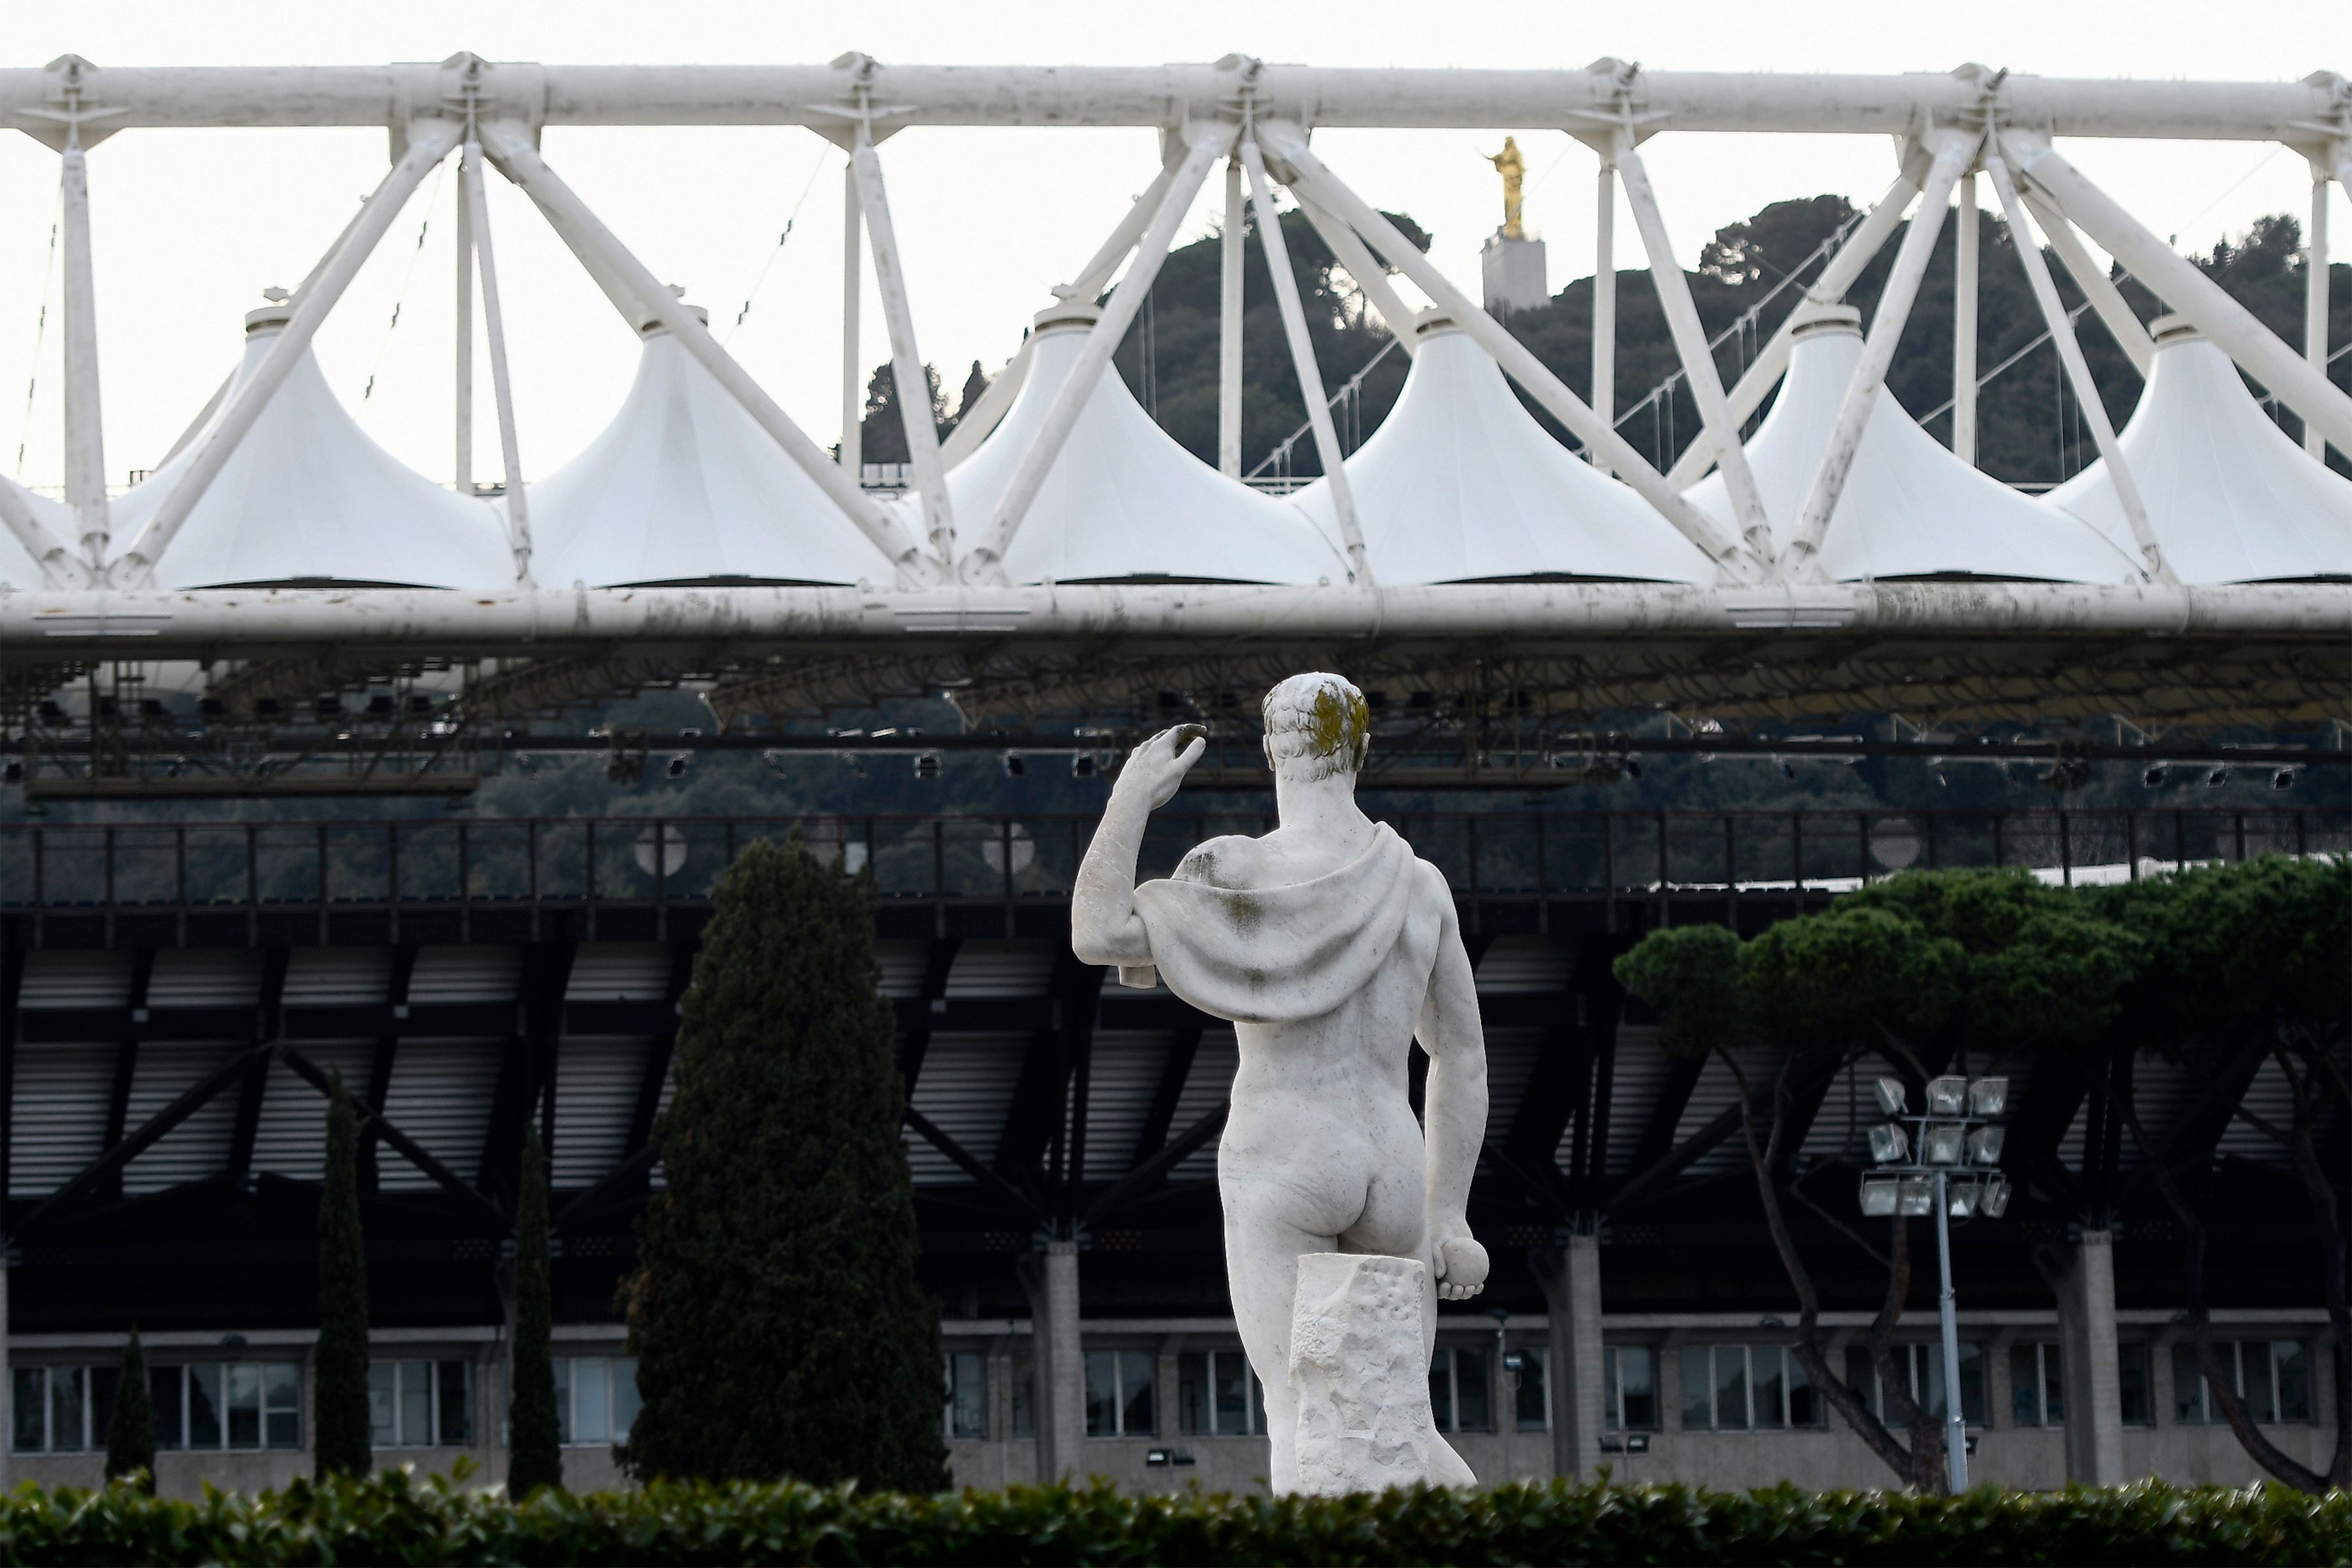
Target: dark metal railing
[(667, 861)]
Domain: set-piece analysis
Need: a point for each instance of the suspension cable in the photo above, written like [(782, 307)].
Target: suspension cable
[(415, 255), (40, 334), (822, 153)]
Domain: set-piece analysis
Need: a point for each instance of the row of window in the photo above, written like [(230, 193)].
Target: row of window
[(1741, 1388), (201, 1405), (217, 1405)]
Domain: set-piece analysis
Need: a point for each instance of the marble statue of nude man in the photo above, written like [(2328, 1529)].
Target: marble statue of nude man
[(1332, 949)]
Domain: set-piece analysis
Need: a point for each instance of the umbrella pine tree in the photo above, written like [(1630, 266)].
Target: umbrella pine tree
[(776, 1317)]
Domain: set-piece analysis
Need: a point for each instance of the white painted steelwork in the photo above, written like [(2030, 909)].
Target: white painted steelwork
[(1890, 105), (1988, 613), (1461, 484), (1120, 499), (1909, 508), (685, 487), (307, 497), (2230, 496)]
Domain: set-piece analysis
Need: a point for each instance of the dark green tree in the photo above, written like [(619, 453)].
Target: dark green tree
[(537, 1456), (342, 1367), (1908, 974), (2247, 972), (776, 1318), (130, 1430)]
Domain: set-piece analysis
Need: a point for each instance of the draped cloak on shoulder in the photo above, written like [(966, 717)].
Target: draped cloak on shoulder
[(1278, 955)]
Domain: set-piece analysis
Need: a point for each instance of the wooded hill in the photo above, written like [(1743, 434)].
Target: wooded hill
[(2029, 428)]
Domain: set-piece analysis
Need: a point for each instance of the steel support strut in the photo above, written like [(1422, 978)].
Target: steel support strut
[(429, 141), (1302, 361), (1955, 149), (509, 147), (1316, 183), (2078, 371), (984, 563)]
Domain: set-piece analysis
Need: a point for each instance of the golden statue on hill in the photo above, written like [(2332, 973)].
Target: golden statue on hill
[(1513, 170)]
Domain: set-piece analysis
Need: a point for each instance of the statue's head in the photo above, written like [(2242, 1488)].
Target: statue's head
[(1316, 726)]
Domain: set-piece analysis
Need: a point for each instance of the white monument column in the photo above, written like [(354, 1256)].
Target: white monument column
[(1573, 1364)]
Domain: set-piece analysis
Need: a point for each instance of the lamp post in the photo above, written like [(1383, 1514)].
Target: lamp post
[(1943, 1162)]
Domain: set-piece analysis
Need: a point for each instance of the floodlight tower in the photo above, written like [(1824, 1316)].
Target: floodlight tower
[(1942, 1162)]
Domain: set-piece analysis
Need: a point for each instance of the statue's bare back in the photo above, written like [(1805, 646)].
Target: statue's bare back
[(1331, 949)]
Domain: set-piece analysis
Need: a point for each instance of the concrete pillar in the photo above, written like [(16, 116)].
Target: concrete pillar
[(2085, 1286), (1058, 1402), (1573, 1360)]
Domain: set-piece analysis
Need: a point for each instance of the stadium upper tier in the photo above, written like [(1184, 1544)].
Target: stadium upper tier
[(1056, 475)]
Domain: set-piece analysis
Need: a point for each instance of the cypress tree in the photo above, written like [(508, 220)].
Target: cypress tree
[(130, 1430), (536, 1458), (775, 1314), (341, 1374)]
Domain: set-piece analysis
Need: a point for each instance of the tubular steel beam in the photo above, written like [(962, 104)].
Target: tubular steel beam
[(1302, 361), (548, 624), (473, 200), (2078, 370), (1500, 99)]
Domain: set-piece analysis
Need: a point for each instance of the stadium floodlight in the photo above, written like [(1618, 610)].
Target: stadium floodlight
[(1987, 1096), (1960, 1197), (1946, 1095), (1878, 1196), (1942, 1143), (1995, 1202), (1889, 1142), (1892, 1098), (1984, 1145), (1916, 1197)]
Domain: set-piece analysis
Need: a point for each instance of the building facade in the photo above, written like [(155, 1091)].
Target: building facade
[(173, 998)]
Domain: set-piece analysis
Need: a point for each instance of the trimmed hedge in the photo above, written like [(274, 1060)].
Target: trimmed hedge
[(391, 1517)]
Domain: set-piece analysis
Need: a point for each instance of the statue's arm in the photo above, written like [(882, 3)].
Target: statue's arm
[(1455, 1109), (1104, 926)]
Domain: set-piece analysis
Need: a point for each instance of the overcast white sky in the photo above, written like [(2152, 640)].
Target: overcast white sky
[(191, 225)]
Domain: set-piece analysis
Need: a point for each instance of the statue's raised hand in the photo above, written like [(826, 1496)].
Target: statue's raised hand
[(1156, 768), (1461, 1267)]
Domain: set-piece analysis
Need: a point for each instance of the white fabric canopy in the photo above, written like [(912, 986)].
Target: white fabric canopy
[(1123, 500), (1460, 484), (1909, 508), (684, 486), (308, 497), (2229, 497), (17, 567)]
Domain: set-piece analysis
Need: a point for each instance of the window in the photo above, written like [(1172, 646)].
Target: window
[(2036, 1395), (1630, 1393), (2135, 1385), (1217, 1396), (421, 1404), (1120, 1395), (1025, 1399), (1460, 1397), (239, 1405), (1921, 1366), (2272, 1376), (1739, 1388), (596, 1399), (966, 1404), (1531, 1400)]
